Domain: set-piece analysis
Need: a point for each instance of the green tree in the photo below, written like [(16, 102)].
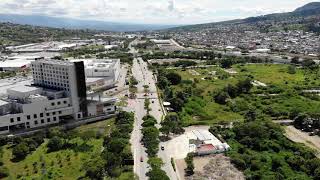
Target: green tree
[(94, 168), (20, 151), (226, 63), (221, 97), (173, 78), (244, 86), (56, 143), (157, 174), (4, 172)]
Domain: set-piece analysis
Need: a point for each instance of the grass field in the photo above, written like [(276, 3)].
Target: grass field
[(275, 76), (63, 164)]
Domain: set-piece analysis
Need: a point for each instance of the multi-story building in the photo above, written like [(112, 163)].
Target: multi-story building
[(57, 94), (65, 76), (102, 68)]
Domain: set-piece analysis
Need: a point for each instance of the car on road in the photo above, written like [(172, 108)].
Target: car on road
[(162, 148), (152, 101), (141, 159)]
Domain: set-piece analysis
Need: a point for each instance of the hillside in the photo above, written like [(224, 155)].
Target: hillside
[(14, 34), (306, 17)]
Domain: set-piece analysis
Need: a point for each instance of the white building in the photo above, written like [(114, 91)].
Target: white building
[(102, 68), (65, 76), (31, 107), (58, 94)]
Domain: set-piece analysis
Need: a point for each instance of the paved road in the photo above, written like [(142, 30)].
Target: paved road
[(145, 77), (140, 168)]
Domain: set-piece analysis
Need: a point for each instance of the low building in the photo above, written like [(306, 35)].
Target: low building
[(31, 107), (101, 68), (205, 143)]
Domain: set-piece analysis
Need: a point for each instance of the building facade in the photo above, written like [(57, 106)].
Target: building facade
[(65, 76)]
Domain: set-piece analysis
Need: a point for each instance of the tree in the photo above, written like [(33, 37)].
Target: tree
[(94, 168), (116, 145), (20, 151), (231, 90), (190, 166), (55, 144), (157, 174), (309, 64), (173, 78), (221, 97), (226, 63), (4, 172), (244, 86), (317, 173), (162, 82)]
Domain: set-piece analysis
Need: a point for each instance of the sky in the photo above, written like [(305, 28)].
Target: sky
[(151, 11)]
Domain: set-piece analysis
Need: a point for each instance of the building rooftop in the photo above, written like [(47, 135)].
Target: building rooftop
[(2, 103), (54, 62), (24, 89)]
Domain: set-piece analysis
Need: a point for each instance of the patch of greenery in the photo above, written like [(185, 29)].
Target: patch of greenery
[(259, 148)]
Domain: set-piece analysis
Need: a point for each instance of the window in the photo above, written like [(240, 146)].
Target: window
[(18, 119), (64, 102), (48, 120), (11, 120), (54, 118), (27, 123), (53, 113), (35, 116), (28, 117), (59, 102), (60, 112), (48, 114), (35, 122), (42, 121), (41, 114), (52, 104)]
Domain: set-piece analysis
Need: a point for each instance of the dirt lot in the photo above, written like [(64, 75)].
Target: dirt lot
[(178, 147), (216, 167), (302, 137)]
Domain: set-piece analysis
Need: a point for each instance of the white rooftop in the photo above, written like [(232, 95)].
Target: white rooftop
[(2, 103), (18, 63), (24, 89)]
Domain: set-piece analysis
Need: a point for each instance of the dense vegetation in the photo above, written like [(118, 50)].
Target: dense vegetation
[(150, 137), (13, 34), (213, 94), (50, 155), (54, 154), (117, 157), (259, 148)]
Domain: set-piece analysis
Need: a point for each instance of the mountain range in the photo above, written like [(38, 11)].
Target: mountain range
[(68, 23), (306, 17)]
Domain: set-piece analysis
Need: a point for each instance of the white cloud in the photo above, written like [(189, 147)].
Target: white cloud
[(151, 11)]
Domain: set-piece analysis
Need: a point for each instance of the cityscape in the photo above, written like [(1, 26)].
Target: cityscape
[(161, 94)]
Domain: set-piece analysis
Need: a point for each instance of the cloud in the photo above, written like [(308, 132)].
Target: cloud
[(171, 5), (150, 11)]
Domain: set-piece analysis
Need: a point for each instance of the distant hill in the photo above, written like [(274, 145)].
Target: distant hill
[(309, 7), (306, 17), (15, 34), (68, 23)]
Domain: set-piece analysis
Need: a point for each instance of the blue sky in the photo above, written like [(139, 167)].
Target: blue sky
[(151, 11)]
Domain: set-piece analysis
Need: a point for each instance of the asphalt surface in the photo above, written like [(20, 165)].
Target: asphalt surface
[(145, 77), (141, 166)]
